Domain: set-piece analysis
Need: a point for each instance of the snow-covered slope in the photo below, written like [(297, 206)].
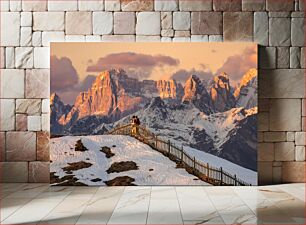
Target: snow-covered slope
[(242, 173), (126, 149), (187, 125), (179, 122), (219, 125), (211, 118)]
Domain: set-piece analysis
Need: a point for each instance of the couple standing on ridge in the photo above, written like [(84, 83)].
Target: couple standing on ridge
[(135, 125)]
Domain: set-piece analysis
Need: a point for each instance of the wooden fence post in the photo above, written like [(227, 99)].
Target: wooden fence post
[(221, 171), (182, 153), (156, 141), (126, 130)]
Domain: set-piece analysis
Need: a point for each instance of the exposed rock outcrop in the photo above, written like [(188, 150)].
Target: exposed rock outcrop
[(246, 92), (221, 93), (112, 94), (58, 110), (169, 89), (196, 93)]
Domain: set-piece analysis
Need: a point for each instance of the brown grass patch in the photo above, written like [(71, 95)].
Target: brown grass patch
[(76, 166), (118, 167), (79, 146), (107, 151), (68, 180), (121, 181)]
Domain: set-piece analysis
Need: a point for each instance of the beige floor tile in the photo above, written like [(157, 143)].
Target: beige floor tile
[(100, 208), (279, 204), (132, 207)]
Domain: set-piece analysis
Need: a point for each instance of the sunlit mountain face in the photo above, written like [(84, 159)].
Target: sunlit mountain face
[(211, 116)]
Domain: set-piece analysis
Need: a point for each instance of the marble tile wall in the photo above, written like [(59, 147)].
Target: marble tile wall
[(28, 26)]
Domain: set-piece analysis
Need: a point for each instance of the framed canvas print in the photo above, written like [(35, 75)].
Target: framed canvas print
[(153, 114)]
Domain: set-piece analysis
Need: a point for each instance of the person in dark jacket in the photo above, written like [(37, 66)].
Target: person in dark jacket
[(137, 122), (133, 123)]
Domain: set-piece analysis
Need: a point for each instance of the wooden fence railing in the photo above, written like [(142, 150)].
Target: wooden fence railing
[(206, 172)]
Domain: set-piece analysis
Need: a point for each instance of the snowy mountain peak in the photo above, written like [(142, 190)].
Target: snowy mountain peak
[(196, 93), (156, 103), (248, 77), (208, 118), (246, 92)]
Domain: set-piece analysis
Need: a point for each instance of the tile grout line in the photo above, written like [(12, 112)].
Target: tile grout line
[(54, 207), (178, 201), (3, 219), (18, 189), (86, 205), (116, 204), (254, 212), (214, 205), (32, 199), (149, 205)]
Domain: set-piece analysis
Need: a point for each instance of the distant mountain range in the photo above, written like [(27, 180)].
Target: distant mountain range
[(214, 117)]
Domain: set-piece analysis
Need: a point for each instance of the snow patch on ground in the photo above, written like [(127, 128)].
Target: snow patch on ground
[(218, 125), (179, 124), (242, 173), (127, 149)]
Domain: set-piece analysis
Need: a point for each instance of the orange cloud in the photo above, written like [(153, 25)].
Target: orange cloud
[(182, 75), (63, 75), (137, 65), (237, 65)]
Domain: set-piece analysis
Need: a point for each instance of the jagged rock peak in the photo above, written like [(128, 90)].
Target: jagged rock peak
[(196, 93), (221, 94), (222, 80), (113, 94), (192, 88), (111, 74), (224, 75), (54, 98), (249, 75), (246, 91), (245, 80), (57, 110), (55, 101), (194, 79), (170, 81), (103, 75), (169, 89)]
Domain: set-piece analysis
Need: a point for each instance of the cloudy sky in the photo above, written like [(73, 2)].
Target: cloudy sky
[(75, 65)]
